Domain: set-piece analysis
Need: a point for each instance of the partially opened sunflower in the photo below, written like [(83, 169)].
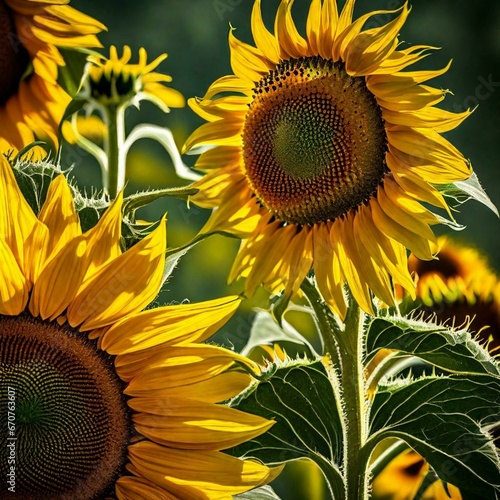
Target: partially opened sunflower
[(32, 103), (114, 80), (321, 151), (101, 398)]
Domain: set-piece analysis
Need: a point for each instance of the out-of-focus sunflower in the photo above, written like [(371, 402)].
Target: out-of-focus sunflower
[(460, 287), (114, 81), (322, 150), (106, 400), (32, 103), (403, 477), (90, 127)]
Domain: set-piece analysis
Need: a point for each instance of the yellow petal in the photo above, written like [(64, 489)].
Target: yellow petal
[(230, 83), (189, 424), (13, 285), (313, 25), (223, 132), (211, 475), (59, 215), (212, 389), (329, 25), (138, 488), (178, 366), (17, 220), (247, 62), (371, 47), (386, 252), (388, 226), (264, 40), (220, 157), (169, 324), (123, 286), (104, 237), (342, 237), (58, 282), (291, 42), (327, 270)]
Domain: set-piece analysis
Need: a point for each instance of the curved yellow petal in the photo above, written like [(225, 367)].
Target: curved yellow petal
[(188, 424), (169, 324), (17, 220), (123, 286), (211, 475), (104, 238), (327, 270), (342, 238), (247, 62), (59, 215), (291, 42), (264, 40), (14, 286), (138, 488), (59, 280)]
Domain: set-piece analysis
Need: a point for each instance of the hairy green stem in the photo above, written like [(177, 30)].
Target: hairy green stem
[(353, 384), (344, 345)]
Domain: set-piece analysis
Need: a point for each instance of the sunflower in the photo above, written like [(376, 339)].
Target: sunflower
[(403, 477), (100, 399), (321, 151), (32, 103), (460, 287), (114, 81)]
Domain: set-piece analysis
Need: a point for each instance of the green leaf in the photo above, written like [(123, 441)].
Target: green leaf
[(266, 331), (263, 493), (444, 420), (453, 351), (300, 398), (70, 75), (465, 190)]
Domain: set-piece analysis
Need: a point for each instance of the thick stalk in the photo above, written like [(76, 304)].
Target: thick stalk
[(114, 146), (344, 345), (353, 384)]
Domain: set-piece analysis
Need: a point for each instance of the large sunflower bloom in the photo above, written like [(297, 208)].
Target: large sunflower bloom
[(460, 287), (99, 399), (322, 158), (32, 103)]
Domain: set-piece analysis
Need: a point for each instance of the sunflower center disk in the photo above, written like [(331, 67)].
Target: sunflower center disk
[(63, 415), (314, 141), (14, 58)]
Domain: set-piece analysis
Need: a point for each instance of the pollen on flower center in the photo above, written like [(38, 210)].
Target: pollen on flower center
[(314, 141), (66, 412), (14, 58)]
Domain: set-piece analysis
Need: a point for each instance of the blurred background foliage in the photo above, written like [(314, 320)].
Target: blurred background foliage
[(194, 34)]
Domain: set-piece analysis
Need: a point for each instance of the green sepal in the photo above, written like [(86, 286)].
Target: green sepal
[(465, 190), (33, 179), (70, 75)]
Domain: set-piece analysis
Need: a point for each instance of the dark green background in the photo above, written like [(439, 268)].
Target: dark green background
[(194, 34)]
